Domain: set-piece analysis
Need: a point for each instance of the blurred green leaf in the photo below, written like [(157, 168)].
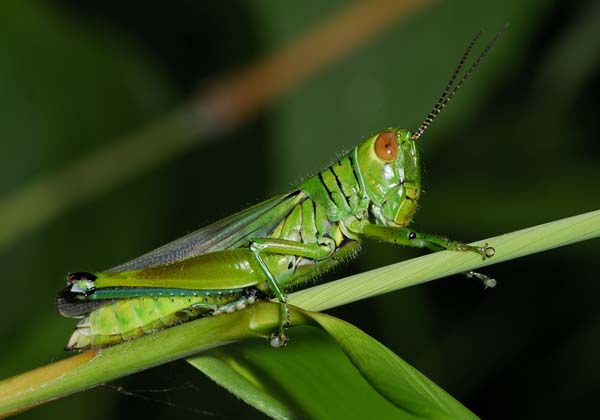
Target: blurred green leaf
[(353, 377), (400, 383), (311, 378)]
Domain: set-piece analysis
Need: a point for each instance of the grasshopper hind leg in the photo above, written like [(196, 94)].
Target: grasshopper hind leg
[(262, 246), (278, 339)]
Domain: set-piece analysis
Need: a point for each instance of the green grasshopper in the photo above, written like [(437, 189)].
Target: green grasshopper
[(270, 248)]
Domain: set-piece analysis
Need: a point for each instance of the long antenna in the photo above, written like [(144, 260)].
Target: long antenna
[(451, 89)]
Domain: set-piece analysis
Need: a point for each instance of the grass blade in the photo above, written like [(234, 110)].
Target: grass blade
[(445, 263)]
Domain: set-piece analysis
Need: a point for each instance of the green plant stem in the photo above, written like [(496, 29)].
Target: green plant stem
[(446, 263), (96, 367)]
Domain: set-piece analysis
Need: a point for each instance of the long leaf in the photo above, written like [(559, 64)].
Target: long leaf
[(318, 378), (312, 378)]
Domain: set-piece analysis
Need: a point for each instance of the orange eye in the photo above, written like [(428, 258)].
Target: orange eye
[(386, 146)]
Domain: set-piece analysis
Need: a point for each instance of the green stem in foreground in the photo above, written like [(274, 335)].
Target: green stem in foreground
[(96, 367), (446, 263), (99, 366)]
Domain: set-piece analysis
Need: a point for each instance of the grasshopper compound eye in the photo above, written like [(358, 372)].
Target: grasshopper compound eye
[(386, 146)]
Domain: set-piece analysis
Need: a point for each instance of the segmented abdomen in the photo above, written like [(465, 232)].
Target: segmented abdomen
[(125, 319)]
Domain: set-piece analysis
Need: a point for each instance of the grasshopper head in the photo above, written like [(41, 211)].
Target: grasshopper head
[(389, 164)]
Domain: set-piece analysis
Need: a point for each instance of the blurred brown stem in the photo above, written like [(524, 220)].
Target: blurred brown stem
[(220, 107)]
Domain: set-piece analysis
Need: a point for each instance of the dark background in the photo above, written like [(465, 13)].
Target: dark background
[(517, 147)]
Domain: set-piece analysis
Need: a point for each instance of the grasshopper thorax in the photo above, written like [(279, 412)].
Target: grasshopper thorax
[(389, 166)]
